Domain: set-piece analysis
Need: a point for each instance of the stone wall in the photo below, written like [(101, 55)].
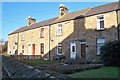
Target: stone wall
[(78, 29), (12, 40), (33, 37), (91, 33), (67, 30)]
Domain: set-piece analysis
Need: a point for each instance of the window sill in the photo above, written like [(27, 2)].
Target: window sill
[(59, 35), (59, 54), (98, 54), (101, 29)]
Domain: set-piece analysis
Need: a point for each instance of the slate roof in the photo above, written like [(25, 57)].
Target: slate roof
[(73, 15), (33, 26), (103, 8)]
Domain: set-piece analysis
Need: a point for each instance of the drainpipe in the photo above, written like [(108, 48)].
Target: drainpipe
[(118, 23), (17, 42), (49, 41)]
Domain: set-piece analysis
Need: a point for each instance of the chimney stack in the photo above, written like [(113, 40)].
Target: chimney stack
[(31, 20), (63, 10)]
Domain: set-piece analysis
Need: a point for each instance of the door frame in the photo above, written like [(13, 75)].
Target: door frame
[(33, 49), (81, 54), (29, 49)]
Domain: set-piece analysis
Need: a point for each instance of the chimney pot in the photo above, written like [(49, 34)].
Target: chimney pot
[(31, 20), (63, 10)]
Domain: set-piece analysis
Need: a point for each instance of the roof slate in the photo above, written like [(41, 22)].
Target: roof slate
[(73, 15), (103, 8), (33, 26)]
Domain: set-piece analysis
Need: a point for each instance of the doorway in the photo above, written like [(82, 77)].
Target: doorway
[(33, 49), (73, 50)]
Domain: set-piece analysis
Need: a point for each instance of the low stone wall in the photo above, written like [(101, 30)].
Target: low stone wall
[(16, 69), (22, 57)]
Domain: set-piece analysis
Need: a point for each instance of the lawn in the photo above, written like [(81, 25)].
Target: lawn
[(104, 72), (38, 62)]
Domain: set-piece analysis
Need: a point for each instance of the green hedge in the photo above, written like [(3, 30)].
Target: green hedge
[(110, 53)]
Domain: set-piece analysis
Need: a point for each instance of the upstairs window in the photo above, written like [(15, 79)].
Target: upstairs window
[(100, 42), (59, 30), (59, 48), (22, 37), (100, 23), (42, 33)]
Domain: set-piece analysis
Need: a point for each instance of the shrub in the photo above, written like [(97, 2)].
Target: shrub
[(59, 57), (110, 53)]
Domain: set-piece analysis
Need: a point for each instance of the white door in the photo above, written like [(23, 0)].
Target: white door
[(73, 50)]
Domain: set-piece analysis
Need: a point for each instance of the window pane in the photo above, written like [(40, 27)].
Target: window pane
[(73, 48), (60, 30), (22, 51), (100, 42), (22, 36), (101, 24), (101, 18), (59, 48), (42, 33)]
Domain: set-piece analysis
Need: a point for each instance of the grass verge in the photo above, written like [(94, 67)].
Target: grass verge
[(38, 62), (103, 72)]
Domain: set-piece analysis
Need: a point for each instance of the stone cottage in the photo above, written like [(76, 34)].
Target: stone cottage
[(75, 35)]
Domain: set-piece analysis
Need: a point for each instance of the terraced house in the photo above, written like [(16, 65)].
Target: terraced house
[(75, 35)]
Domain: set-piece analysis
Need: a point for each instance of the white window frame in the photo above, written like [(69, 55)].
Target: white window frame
[(42, 32), (98, 22), (57, 49), (59, 31), (23, 37), (100, 41)]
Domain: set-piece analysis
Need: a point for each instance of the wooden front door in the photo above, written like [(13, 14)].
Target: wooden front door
[(83, 50), (33, 49)]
